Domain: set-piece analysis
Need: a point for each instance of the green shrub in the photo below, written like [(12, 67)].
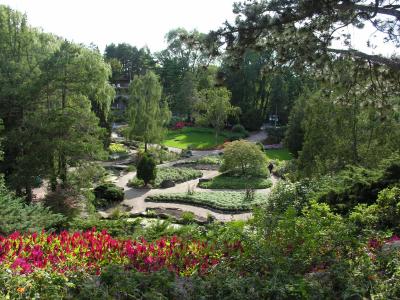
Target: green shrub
[(117, 148), (187, 217), (244, 158), (238, 128), (146, 169), (356, 185), (287, 194), (16, 215), (108, 193), (383, 215)]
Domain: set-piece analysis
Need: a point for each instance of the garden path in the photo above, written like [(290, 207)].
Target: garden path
[(135, 198)]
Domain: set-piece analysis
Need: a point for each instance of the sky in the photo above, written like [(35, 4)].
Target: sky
[(137, 22), (144, 22)]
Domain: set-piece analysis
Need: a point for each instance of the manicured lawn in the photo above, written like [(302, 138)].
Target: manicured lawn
[(229, 201), (197, 138), (278, 154), (177, 175), (230, 182)]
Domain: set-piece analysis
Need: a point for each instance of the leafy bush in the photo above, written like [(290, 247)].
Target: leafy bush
[(117, 148), (356, 185), (228, 201), (244, 158), (16, 215), (286, 194), (238, 128), (146, 169), (108, 193), (383, 215), (225, 181)]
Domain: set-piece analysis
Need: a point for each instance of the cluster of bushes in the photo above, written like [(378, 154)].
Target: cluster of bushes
[(176, 175), (356, 185)]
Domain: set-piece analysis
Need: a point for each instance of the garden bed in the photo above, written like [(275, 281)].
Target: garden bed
[(176, 175), (232, 202), (210, 162), (233, 182)]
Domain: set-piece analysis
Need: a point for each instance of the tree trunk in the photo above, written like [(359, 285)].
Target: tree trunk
[(28, 191)]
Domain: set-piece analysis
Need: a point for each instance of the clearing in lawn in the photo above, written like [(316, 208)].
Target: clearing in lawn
[(278, 154), (197, 138)]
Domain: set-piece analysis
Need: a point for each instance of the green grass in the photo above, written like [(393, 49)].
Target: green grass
[(278, 154), (226, 201), (177, 175), (230, 182), (197, 138)]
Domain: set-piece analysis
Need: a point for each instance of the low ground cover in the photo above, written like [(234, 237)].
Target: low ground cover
[(229, 201), (198, 138), (278, 154), (225, 181), (177, 175), (209, 162)]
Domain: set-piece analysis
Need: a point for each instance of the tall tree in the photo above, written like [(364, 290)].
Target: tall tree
[(48, 91), (302, 32), (132, 61), (148, 114), (214, 108)]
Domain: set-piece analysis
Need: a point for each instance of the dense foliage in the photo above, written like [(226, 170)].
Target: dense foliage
[(15, 214), (146, 169), (244, 158)]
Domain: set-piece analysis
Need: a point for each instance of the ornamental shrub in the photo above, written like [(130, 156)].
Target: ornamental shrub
[(16, 215), (244, 158), (107, 194), (146, 169), (238, 128)]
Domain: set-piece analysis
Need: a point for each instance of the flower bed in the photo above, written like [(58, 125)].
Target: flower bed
[(89, 251)]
